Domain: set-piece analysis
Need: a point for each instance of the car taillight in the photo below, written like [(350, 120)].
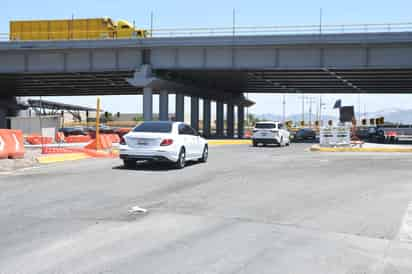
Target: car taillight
[(166, 142), (122, 141)]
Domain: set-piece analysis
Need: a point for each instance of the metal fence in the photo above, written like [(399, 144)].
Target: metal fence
[(261, 30)]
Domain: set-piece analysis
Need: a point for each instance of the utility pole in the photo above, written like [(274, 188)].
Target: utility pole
[(303, 107), (284, 107), (320, 20), (320, 110), (234, 21), (359, 108), (311, 100), (151, 23)]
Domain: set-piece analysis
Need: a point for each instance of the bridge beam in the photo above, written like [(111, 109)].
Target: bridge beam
[(194, 112), (147, 104), (240, 121), (180, 107), (206, 117), (3, 115), (230, 120), (219, 119), (164, 105)]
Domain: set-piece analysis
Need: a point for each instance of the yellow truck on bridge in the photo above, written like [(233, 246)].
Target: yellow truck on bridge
[(74, 29)]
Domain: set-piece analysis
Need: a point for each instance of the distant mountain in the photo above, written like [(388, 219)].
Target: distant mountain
[(293, 117), (403, 116), (393, 115)]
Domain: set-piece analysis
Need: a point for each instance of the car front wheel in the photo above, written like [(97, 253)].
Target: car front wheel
[(205, 155)]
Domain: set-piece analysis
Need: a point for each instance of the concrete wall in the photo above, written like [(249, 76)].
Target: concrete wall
[(30, 125), (70, 60), (383, 50)]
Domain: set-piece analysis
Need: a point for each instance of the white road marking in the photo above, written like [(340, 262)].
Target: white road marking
[(137, 209), (405, 233)]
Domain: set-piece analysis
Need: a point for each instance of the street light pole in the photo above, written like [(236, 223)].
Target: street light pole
[(303, 108)]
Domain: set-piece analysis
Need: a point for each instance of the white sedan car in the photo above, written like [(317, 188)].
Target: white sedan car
[(173, 142), (270, 133)]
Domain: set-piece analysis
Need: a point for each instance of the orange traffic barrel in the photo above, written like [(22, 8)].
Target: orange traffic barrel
[(3, 148)]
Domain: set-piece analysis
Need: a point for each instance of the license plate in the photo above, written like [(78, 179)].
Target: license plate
[(143, 143)]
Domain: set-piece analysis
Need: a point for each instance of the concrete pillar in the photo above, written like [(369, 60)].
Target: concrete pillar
[(240, 121), (164, 105), (230, 120), (194, 112), (3, 115), (219, 119), (206, 117), (180, 107), (147, 104)]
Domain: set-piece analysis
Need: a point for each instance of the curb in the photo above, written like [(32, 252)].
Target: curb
[(57, 158), (354, 149), (62, 158), (229, 142)]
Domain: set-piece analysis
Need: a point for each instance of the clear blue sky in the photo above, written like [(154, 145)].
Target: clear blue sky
[(219, 13)]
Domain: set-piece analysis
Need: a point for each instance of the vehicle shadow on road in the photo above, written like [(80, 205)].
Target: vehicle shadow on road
[(266, 146), (147, 166)]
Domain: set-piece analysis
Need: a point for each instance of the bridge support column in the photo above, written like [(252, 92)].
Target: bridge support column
[(3, 115), (240, 121), (147, 104), (219, 119), (194, 112), (230, 120), (206, 117), (164, 105), (180, 107)]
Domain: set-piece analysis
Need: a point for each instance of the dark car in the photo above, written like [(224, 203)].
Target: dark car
[(369, 134), (67, 131), (305, 134)]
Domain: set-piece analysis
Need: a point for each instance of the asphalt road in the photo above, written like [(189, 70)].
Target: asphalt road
[(248, 210)]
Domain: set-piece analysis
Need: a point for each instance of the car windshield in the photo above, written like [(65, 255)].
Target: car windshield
[(265, 125), (157, 127)]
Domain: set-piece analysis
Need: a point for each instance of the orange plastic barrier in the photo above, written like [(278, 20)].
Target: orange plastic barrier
[(55, 150), (78, 139), (4, 153), (14, 142), (123, 131), (39, 140), (90, 152), (114, 138), (105, 142), (60, 137)]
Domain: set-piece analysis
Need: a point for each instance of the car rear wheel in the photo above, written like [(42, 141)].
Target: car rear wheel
[(129, 163), (182, 159), (205, 155)]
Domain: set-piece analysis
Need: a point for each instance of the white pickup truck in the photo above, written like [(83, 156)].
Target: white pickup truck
[(270, 133)]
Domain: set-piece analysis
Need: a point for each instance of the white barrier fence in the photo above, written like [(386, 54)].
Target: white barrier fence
[(335, 136)]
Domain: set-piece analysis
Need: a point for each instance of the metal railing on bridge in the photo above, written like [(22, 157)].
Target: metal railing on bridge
[(244, 31)]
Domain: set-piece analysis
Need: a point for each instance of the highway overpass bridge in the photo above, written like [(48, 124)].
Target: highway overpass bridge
[(213, 68)]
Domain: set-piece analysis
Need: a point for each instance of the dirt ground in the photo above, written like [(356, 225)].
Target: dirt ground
[(13, 164)]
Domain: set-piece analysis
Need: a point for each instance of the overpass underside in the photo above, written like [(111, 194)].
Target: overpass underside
[(219, 69), (324, 80), (234, 83)]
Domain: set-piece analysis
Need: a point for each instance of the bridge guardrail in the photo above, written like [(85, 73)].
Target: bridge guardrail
[(265, 30)]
